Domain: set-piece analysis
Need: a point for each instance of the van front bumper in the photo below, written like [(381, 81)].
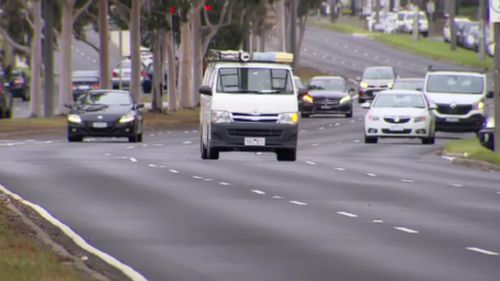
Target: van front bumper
[(231, 137)]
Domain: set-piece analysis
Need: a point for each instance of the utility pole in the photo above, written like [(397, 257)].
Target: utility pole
[(416, 22), (451, 18), (482, 31), (377, 11), (104, 69), (496, 78), (48, 57), (293, 35)]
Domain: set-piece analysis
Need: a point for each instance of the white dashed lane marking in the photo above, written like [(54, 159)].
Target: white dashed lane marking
[(208, 179), (377, 221), (346, 214), (371, 175), (133, 160), (458, 185), (260, 192), (407, 180), (405, 229), (224, 183), (482, 251), (130, 147), (197, 177), (298, 203), (153, 166), (277, 197), (173, 171), (339, 169), (107, 154), (187, 142), (310, 163)]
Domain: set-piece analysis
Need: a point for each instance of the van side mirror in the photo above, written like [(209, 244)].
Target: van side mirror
[(205, 90), (433, 106), (68, 106), (490, 94), (365, 105)]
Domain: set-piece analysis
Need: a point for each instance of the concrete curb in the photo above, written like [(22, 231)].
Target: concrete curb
[(462, 160)]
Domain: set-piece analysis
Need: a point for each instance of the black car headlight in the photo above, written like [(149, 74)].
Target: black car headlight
[(127, 118), (74, 118)]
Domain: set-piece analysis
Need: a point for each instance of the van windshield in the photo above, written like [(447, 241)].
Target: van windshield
[(453, 83), (247, 80)]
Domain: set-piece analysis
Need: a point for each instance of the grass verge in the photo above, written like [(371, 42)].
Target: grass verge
[(30, 127), (306, 73), (24, 258), (472, 149), (426, 47)]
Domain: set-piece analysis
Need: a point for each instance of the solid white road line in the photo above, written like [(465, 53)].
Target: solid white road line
[(260, 192), (127, 270), (405, 229), (346, 214), (133, 160), (482, 251), (298, 203)]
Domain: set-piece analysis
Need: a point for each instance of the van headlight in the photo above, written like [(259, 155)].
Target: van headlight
[(221, 117), (345, 99), (74, 118), (289, 118), (127, 118), (478, 105)]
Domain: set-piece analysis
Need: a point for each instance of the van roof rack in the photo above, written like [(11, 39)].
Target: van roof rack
[(242, 56), (431, 68)]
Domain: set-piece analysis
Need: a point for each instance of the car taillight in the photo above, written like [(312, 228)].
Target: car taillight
[(95, 86), (18, 82), (115, 74), (144, 74), (74, 87)]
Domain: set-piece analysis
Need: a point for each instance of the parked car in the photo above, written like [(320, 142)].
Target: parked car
[(408, 23), (147, 83), (487, 134), (5, 99), (459, 23), (84, 81), (146, 56), (18, 84), (490, 49), (105, 113), (400, 114), (415, 84), (375, 79), (466, 31), (327, 95), (122, 73)]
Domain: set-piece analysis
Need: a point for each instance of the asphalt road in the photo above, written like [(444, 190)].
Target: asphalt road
[(344, 211)]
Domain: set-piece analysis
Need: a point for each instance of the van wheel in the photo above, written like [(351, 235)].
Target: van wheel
[(286, 154)]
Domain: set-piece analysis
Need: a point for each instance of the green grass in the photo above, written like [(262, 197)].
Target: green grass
[(306, 73), (22, 258), (436, 50), (473, 149)]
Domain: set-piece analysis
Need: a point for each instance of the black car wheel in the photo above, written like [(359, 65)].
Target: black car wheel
[(430, 140), (75, 138), (286, 154), (8, 114), (371, 139), (203, 150), (305, 115), (348, 115), (212, 153)]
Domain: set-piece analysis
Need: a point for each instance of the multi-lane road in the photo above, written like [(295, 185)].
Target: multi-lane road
[(344, 210)]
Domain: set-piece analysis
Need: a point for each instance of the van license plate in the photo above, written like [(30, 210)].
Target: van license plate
[(255, 141), (100, 125), (452, 120)]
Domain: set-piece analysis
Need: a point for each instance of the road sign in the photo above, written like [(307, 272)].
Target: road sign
[(494, 10)]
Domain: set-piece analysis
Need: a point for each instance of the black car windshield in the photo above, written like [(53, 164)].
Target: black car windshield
[(399, 101), (249, 80), (106, 98), (455, 83), (378, 73), (327, 84)]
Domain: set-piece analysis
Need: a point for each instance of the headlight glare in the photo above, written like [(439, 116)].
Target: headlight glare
[(345, 99), (74, 118), (289, 118), (127, 118), (221, 117), (308, 99), (363, 85), (479, 105)]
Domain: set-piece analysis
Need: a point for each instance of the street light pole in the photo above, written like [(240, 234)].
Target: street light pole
[(293, 35), (496, 78)]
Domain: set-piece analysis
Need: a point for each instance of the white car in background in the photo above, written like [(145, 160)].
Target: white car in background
[(400, 114)]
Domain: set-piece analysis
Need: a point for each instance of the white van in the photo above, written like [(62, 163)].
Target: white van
[(248, 103), (460, 97)]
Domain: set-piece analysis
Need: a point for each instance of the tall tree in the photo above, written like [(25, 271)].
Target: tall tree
[(104, 69)]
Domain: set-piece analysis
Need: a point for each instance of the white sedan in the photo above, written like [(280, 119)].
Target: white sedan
[(400, 114)]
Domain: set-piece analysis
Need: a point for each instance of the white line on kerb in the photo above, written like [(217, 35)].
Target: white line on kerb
[(260, 192), (311, 163), (132, 159), (407, 230), (346, 214), (448, 158), (298, 203), (127, 270), (482, 251)]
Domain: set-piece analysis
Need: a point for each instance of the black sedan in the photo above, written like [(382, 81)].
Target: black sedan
[(5, 99), (326, 95), (18, 85), (84, 81), (105, 113)]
